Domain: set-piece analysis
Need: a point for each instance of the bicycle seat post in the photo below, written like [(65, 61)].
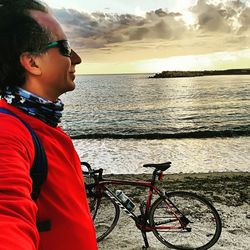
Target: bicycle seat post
[(153, 180), (153, 177)]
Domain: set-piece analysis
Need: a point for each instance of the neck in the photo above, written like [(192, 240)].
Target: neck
[(40, 91)]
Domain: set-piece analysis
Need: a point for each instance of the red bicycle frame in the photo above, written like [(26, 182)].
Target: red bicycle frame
[(101, 186)]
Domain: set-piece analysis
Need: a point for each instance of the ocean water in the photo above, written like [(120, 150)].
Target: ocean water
[(120, 122)]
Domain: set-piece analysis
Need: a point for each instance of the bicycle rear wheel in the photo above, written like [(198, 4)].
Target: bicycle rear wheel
[(185, 220), (105, 214)]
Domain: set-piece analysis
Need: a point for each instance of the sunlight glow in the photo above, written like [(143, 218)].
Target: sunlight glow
[(220, 60), (213, 61), (177, 63)]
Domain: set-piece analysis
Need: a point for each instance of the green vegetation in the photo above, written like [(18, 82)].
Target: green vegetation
[(172, 74)]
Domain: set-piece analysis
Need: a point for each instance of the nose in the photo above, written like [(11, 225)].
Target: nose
[(75, 58)]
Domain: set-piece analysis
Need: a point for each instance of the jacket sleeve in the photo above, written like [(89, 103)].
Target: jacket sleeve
[(17, 210)]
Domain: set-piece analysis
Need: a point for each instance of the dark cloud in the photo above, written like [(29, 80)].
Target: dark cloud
[(159, 13), (228, 16), (98, 30), (211, 17), (244, 19), (138, 34)]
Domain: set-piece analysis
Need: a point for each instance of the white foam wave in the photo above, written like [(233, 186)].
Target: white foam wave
[(187, 155)]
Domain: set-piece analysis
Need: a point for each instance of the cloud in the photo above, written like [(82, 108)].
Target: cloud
[(219, 26), (244, 20), (98, 29), (211, 17), (227, 16)]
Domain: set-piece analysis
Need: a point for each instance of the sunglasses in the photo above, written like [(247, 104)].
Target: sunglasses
[(63, 45)]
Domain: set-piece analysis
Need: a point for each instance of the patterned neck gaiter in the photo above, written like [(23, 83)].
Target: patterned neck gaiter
[(43, 109)]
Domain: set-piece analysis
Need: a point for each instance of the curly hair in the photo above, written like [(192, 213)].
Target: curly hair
[(19, 33)]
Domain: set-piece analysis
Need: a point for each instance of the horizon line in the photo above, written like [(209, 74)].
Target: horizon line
[(137, 73)]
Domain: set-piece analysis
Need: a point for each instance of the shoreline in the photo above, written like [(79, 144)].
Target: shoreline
[(228, 191), (229, 188), (180, 73), (213, 174)]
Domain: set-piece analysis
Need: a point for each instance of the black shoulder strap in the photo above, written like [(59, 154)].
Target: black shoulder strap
[(39, 169)]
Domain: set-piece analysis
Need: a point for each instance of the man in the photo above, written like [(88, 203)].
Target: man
[(36, 67)]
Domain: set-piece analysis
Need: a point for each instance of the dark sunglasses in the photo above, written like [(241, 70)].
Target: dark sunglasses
[(63, 45)]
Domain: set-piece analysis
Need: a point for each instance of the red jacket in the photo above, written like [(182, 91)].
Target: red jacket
[(62, 199)]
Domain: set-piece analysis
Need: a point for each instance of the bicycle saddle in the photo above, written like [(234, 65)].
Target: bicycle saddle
[(161, 166)]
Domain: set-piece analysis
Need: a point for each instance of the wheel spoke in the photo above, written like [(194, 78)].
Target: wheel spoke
[(201, 225)]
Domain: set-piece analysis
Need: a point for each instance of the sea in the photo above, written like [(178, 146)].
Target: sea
[(200, 124)]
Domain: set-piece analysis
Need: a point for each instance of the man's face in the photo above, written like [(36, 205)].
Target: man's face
[(58, 71)]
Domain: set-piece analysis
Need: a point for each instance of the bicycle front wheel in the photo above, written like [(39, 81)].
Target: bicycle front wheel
[(105, 214), (184, 220)]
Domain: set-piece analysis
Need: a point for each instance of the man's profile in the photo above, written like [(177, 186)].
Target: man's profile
[(37, 65)]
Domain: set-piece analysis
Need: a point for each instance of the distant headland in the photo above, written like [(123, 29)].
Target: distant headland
[(173, 74)]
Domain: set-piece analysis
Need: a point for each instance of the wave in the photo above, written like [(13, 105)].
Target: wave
[(158, 136)]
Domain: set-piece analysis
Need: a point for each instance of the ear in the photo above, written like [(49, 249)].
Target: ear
[(30, 63)]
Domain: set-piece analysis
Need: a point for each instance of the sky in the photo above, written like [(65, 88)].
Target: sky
[(149, 36)]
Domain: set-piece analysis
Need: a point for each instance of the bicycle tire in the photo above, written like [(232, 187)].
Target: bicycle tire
[(205, 222), (105, 214)]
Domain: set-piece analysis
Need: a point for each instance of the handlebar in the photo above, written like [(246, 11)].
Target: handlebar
[(95, 174), (86, 165)]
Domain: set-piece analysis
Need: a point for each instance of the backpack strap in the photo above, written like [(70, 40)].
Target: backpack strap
[(39, 169)]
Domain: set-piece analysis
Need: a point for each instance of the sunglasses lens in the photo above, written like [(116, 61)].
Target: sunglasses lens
[(65, 48)]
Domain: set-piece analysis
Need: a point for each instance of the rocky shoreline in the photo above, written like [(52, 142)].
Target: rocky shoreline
[(174, 74)]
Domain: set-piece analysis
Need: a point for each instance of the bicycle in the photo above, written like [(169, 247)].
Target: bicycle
[(179, 219)]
